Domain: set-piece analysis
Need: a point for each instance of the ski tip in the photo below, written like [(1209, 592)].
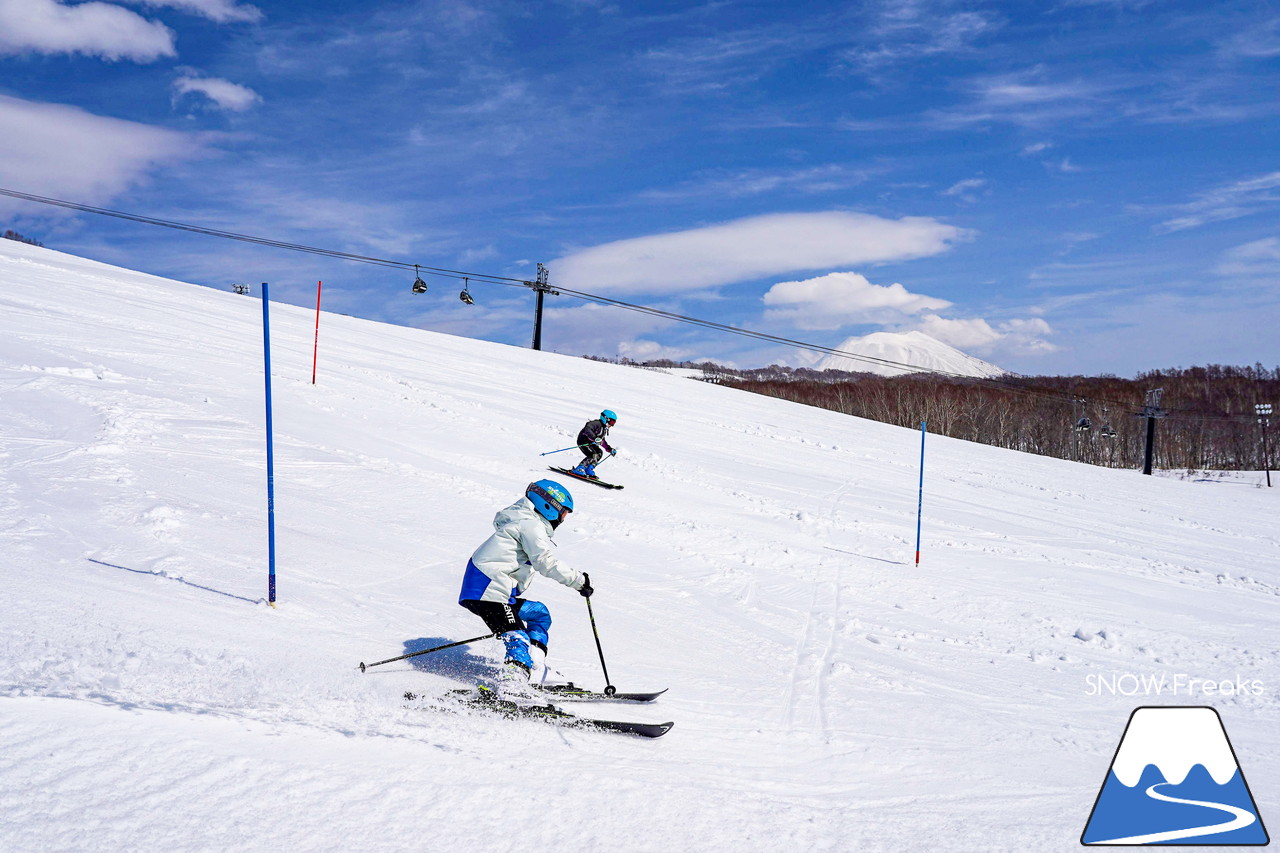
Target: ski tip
[(656, 729)]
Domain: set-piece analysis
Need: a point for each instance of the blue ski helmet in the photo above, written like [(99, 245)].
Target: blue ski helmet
[(609, 417), (552, 500)]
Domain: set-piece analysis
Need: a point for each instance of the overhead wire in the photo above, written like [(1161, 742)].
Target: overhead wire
[(583, 295)]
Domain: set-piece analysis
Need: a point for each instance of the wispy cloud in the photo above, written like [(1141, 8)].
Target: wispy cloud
[(751, 182), (966, 189), (1260, 41), (751, 248), (1027, 98), (1119, 4), (1231, 201), (904, 30), (727, 59), (841, 299), (97, 156), (223, 93), (219, 11), (92, 29), (1261, 258)]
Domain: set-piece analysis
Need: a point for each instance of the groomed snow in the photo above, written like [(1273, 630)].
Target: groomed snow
[(828, 694)]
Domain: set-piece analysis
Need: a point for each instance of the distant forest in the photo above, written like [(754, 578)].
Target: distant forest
[(1207, 419), (10, 234)]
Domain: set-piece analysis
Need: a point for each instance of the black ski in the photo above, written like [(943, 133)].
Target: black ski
[(593, 480), (572, 692), (487, 700)]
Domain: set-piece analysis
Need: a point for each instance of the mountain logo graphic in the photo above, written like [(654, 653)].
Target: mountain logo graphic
[(1175, 780)]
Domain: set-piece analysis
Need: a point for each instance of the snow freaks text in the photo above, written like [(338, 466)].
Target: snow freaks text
[(1164, 684)]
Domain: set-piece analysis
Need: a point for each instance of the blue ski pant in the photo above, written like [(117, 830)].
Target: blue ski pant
[(521, 623)]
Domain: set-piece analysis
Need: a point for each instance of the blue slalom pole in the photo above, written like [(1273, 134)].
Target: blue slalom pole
[(271, 476), (920, 500)]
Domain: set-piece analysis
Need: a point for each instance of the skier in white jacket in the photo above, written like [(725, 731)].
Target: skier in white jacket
[(502, 568)]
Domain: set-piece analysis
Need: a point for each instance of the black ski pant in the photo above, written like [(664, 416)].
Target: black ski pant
[(592, 454), (500, 618)]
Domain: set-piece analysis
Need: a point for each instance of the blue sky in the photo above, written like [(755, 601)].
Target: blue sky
[(1079, 186)]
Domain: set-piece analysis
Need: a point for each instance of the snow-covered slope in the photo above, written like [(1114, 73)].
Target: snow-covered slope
[(917, 349), (828, 694)]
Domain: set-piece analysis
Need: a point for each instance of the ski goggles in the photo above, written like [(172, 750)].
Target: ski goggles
[(552, 499)]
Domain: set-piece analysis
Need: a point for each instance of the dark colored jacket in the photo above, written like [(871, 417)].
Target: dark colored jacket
[(594, 432)]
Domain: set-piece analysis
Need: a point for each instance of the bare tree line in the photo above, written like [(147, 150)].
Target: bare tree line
[(1208, 418)]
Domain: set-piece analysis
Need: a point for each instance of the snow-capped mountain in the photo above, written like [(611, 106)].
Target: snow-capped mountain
[(883, 352)]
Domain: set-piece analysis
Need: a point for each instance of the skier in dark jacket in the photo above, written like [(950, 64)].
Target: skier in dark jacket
[(593, 442)]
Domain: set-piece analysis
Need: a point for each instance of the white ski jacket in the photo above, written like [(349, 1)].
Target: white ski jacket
[(521, 544)]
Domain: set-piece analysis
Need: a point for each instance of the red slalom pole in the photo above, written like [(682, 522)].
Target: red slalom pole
[(920, 499), (315, 354)]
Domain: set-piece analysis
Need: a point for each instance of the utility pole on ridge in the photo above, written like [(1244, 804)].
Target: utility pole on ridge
[(1151, 411), (541, 288)]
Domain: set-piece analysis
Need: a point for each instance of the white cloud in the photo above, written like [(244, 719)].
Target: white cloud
[(92, 29), (751, 248), (593, 329), (841, 299), (643, 350), (219, 11), (1015, 337), (64, 151), (224, 93)]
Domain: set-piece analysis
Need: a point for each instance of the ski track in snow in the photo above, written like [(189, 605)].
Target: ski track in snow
[(828, 694)]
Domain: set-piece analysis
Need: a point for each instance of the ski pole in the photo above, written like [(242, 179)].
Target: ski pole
[(561, 450), (609, 689), (363, 665)]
